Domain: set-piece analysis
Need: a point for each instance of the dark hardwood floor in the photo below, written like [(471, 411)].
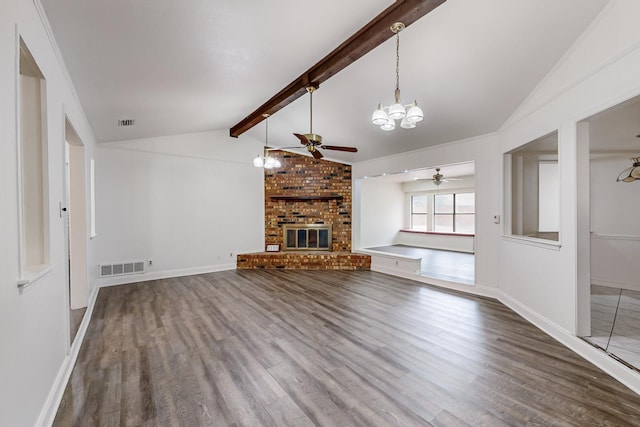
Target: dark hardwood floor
[(332, 348)]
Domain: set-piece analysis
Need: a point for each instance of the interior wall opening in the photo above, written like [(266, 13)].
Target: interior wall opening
[(422, 221), (534, 189), (613, 273), (75, 218)]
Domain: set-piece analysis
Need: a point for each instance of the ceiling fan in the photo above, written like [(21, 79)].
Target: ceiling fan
[(438, 178), (313, 141)]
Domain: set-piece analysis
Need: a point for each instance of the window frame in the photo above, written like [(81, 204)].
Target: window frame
[(454, 214), (514, 202), (430, 194), (29, 271), (425, 213)]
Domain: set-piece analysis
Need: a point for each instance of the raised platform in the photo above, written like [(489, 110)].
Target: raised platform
[(304, 261)]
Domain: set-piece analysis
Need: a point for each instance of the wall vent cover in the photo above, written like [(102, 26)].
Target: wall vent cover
[(121, 268), (126, 122)]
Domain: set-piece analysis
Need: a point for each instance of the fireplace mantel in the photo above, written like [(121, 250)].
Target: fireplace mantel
[(321, 197)]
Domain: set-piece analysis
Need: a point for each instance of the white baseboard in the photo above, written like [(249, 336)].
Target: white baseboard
[(50, 408), (617, 370), (613, 284), (164, 274), (484, 291)]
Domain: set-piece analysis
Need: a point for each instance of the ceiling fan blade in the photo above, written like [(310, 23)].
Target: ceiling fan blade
[(339, 148), (317, 154), (284, 148), (303, 139)]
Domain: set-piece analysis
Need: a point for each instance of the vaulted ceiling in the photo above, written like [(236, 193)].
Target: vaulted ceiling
[(190, 66)]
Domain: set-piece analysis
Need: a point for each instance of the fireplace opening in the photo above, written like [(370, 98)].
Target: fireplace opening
[(307, 237)]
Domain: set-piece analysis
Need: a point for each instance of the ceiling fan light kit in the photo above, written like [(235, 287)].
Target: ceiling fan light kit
[(410, 114), (266, 161)]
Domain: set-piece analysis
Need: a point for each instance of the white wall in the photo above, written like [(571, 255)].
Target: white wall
[(190, 203), (34, 325), (615, 229), (381, 206), (601, 70)]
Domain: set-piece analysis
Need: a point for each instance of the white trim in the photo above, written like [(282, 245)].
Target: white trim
[(615, 237), (533, 241), (33, 274), (92, 198), (613, 284), (166, 274), (386, 254), (362, 164), (18, 133), (50, 407)]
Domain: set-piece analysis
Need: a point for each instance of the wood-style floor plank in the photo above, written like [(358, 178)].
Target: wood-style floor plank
[(326, 348)]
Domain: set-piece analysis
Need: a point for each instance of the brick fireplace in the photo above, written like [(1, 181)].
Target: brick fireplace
[(307, 194)]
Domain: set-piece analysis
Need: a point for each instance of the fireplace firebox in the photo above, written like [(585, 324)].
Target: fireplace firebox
[(307, 237)]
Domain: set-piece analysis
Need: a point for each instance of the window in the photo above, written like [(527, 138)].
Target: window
[(454, 213), (419, 212), (534, 193), (32, 166)]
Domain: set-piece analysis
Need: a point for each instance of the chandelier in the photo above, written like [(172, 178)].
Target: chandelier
[(266, 161), (632, 173), (409, 114)]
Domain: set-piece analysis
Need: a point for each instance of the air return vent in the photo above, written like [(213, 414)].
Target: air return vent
[(126, 122), (121, 269)]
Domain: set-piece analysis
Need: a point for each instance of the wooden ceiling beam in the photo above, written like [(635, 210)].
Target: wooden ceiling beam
[(366, 39)]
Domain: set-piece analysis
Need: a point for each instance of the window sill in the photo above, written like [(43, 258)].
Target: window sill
[(32, 274), (439, 233)]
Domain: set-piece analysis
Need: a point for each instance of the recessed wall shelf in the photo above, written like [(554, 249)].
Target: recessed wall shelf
[(307, 198)]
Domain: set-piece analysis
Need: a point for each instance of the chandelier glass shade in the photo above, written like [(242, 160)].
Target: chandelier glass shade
[(632, 173), (410, 114), (266, 161)]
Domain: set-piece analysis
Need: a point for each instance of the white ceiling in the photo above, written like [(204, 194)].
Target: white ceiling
[(189, 66)]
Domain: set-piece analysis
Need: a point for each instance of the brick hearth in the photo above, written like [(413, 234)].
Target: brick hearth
[(305, 261)]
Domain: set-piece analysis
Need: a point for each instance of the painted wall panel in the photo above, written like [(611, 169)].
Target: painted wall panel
[(185, 202)]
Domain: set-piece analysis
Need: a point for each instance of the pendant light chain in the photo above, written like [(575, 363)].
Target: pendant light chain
[(409, 114)]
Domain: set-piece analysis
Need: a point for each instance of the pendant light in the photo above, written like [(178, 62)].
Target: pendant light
[(632, 173), (266, 161), (410, 114)]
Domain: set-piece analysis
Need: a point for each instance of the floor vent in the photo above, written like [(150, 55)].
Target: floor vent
[(121, 269)]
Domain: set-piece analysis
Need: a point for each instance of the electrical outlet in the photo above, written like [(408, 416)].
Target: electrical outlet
[(150, 263), (230, 254)]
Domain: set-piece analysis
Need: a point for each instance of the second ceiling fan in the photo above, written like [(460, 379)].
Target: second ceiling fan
[(313, 141)]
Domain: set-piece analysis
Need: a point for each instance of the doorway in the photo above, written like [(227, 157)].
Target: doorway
[(612, 279), (75, 220)]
